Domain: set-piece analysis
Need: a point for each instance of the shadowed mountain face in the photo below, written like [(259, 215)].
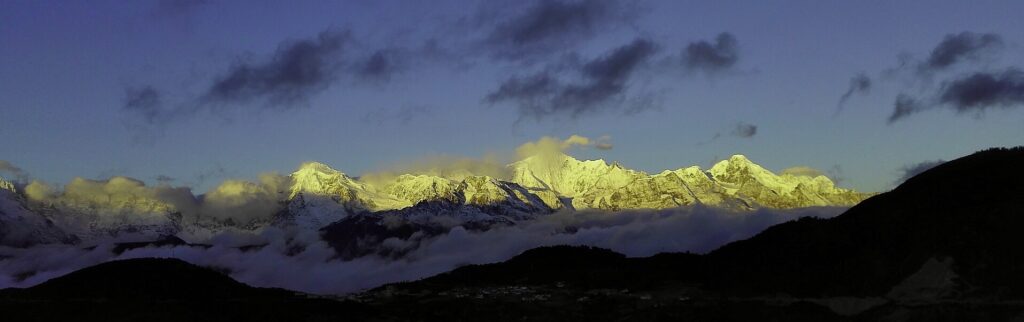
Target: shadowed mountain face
[(943, 246)]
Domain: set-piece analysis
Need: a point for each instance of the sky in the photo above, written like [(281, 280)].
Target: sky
[(192, 92)]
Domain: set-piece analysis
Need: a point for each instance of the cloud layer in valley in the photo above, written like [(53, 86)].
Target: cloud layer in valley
[(314, 269)]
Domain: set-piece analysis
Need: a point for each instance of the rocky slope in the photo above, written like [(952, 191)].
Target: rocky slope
[(21, 227)]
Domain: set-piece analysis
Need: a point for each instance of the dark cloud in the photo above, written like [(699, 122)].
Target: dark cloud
[(297, 70), (601, 81), (744, 130), (740, 129), (10, 168), (551, 26), (904, 106), (979, 91), (380, 65), (836, 174), (912, 170), (145, 102), (955, 48), (975, 92), (859, 84), (712, 57), (288, 79), (164, 179)]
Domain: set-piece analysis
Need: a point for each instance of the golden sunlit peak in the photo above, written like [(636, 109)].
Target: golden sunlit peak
[(314, 166)]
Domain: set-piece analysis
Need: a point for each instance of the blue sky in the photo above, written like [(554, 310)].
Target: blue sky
[(68, 70)]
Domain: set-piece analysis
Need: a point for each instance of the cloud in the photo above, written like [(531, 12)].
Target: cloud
[(380, 65), (548, 145), (904, 106), (980, 91), (956, 48), (13, 170), (315, 269), (547, 27), (39, 191), (601, 84), (297, 70), (803, 171), (445, 166), (163, 179), (976, 92), (240, 201), (145, 101), (744, 130), (859, 84), (494, 165), (909, 171), (243, 201), (712, 57)]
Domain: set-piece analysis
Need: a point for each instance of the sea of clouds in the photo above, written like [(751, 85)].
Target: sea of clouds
[(300, 260)]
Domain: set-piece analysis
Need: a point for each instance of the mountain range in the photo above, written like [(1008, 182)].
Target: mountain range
[(942, 246), (317, 196)]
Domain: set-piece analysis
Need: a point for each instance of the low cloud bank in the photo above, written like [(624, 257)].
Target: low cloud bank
[(314, 269)]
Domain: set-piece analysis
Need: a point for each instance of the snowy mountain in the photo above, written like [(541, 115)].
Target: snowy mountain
[(733, 183), (316, 195)]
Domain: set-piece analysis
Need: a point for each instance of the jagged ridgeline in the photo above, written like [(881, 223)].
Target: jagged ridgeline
[(316, 195)]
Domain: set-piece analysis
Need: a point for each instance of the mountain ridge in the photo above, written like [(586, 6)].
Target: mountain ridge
[(316, 195)]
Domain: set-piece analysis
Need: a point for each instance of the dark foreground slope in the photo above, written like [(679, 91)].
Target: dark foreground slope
[(162, 290)]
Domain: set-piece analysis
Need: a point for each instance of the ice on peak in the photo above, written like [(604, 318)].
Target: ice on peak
[(6, 185)]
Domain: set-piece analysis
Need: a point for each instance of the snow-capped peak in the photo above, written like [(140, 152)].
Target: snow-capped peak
[(320, 179)]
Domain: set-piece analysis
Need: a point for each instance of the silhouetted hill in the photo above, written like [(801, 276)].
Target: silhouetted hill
[(969, 209), (148, 279), (153, 289)]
